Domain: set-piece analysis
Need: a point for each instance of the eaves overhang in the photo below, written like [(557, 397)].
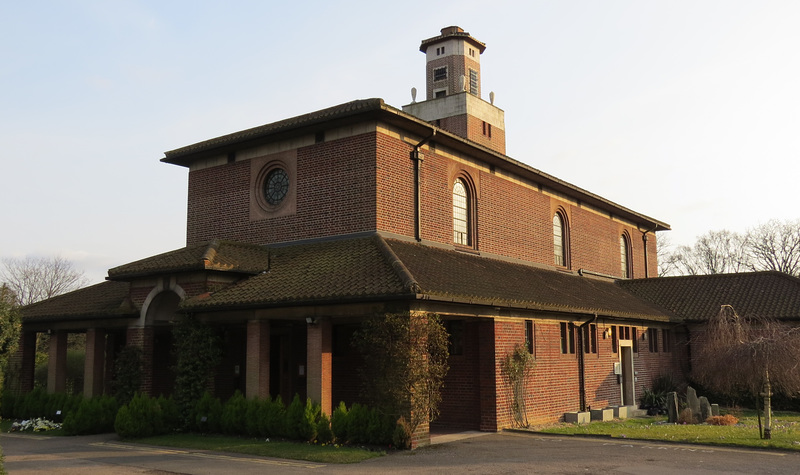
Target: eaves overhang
[(376, 109)]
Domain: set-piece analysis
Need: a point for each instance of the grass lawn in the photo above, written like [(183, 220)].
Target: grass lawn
[(239, 445), (785, 431), (275, 448)]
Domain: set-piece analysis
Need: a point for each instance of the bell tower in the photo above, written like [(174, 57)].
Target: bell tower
[(453, 90)]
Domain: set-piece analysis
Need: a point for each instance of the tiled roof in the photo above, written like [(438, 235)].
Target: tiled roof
[(696, 298), (103, 300), (449, 274), (324, 115), (352, 269), (378, 268), (218, 255)]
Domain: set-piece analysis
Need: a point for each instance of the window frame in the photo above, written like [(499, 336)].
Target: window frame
[(529, 336), (567, 330), (652, 339), (625, 256), (470, 226), (436, 76), (564, 256)]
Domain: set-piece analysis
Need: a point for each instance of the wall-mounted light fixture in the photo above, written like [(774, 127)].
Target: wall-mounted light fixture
[(311, 320), (606, 333)]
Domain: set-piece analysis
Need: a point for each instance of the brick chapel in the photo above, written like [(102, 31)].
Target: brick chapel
[(297, 230)]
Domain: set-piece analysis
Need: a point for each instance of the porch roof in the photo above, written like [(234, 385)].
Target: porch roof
[(699, 297), (375, 267), (225, 256), (103, 300)]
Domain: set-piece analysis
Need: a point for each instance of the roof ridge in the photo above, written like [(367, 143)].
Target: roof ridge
[(397, 265), (210, 254)]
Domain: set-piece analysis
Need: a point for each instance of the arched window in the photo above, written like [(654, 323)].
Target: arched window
[(461, 224), (560, 240), (625, 256)]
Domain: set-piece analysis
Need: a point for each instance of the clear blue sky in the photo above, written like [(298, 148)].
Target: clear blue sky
[(687, 111)]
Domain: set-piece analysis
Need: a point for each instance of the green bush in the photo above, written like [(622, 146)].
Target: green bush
[(324, 432), (207, 414), (233, 414), (252, 418), (307, 429), (294, 418), (127, 373), (358, 424), (402, 434), (141, 418), (170, 414), (271, 418), (339, 420), (93, 416)]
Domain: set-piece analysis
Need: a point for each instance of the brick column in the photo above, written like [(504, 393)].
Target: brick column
[(256, 382), (143, 337), (319, 341), (94, 364), (57, 363), (487, 375), (23, 363), (108, 375)]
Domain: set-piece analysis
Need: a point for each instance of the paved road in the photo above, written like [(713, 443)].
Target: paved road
[(502, 453)]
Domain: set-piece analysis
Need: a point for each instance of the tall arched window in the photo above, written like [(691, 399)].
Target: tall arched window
[(560, 241), (625, 256), (461, 234)]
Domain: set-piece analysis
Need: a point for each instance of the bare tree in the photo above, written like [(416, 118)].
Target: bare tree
[(775, 245), (763, 352), (38, 278), (666, 260), (715, 252)]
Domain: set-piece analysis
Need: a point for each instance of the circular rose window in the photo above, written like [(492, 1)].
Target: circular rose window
[(276, 186)]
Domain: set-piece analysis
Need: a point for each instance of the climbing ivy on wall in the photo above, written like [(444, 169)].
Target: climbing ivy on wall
[(197, 351)]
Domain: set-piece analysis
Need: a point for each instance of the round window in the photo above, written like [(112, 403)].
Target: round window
[(276, 186)]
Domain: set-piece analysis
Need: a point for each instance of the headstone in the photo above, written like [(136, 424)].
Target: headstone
[(576, 417), (715, 409), (602, 414), (693, 403), (705, 409), (620, 412), (672, 407)]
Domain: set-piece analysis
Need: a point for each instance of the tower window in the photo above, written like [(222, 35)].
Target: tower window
[(560, 240), (460, 214), (624, 256), (473, 82), (440, 74)]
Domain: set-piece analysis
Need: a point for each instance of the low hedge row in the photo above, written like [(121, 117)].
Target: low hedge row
[(262, 418), (145, 416)]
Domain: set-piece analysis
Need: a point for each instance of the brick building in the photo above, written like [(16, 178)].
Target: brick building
[(299, 229)]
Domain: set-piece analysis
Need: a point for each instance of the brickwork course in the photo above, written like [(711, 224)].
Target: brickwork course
[(299, 229)]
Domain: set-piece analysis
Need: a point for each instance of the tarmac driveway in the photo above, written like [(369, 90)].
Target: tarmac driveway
[(507, 452)]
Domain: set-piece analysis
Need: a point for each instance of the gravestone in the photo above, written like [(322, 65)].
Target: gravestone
[(705, 409), (672, 407), (715, 409), (693, 403)]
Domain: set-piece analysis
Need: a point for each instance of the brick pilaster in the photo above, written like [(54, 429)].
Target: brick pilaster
[(487, 376), (57, 363), (94, 364), (143, 337), (23, 363), (257, 364), (319, 361)]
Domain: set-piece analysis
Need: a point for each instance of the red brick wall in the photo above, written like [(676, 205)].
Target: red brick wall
[(554, 387), (460, 405), (366, 182), (335, 195), (512, 220)]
